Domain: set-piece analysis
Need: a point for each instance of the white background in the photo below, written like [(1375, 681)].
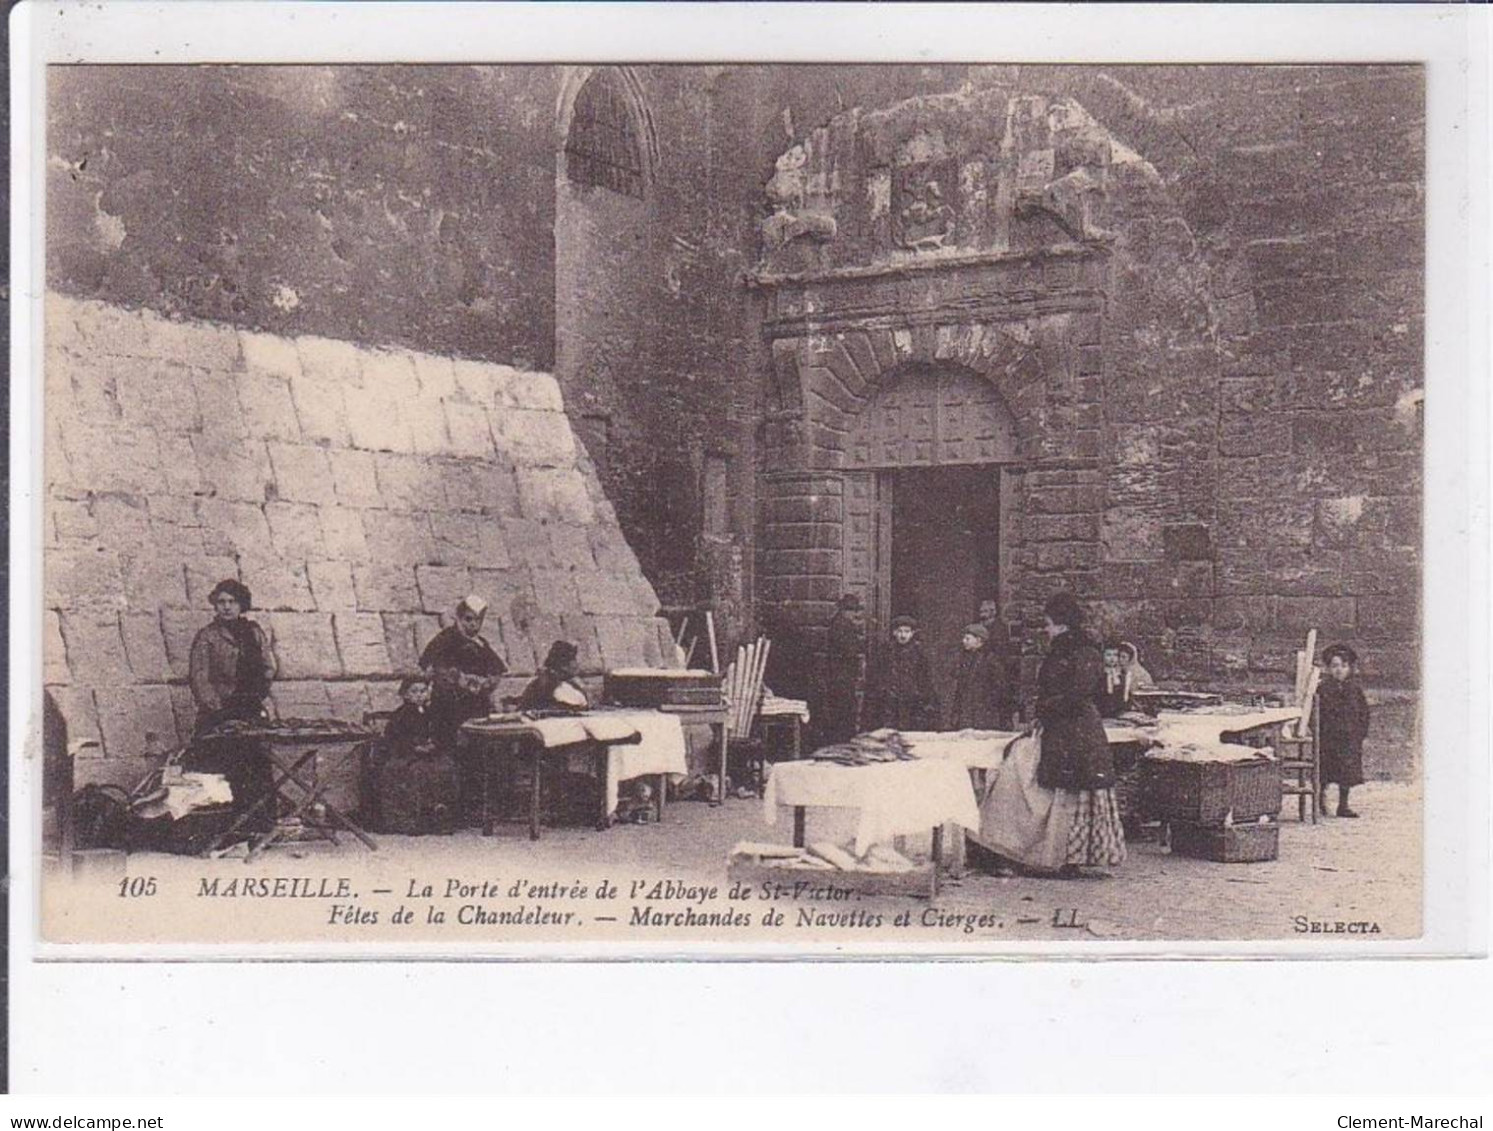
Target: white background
[(1034, 1025)]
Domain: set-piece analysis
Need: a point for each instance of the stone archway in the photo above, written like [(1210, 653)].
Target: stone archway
[(1008, 234)]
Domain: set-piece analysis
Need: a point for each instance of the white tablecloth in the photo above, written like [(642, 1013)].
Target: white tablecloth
[(986, 749), (660, 749), (893, 798), (973, 749)]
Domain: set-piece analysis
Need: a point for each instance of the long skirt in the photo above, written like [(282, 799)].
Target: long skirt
[(1044, 829)]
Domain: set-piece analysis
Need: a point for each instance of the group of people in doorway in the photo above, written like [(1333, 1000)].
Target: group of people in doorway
[(421, 776), (864, 689)]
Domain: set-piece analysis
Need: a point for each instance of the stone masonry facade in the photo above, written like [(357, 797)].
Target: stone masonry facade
[(1217, 415), (359, 493), (1196, 290)]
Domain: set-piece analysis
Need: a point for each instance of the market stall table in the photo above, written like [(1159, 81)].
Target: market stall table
[(891, 798), (290, 749), (625, 744)]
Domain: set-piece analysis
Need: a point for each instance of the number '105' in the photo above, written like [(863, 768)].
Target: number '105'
[(133, 886)]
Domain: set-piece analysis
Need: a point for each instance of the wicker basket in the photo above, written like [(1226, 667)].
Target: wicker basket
[(1206, 793), (1237, 844)]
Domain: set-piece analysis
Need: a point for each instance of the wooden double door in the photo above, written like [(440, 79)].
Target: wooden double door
[(926, 542)]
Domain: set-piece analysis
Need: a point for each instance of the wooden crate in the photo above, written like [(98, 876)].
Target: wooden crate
[(920, 883), (1206, 793), (639, 688), (1237, 844)]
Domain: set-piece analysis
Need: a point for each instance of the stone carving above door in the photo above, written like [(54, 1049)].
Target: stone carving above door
[(977, 171)]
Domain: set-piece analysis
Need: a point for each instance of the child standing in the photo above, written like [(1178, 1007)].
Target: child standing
[(1344, 723), (978, 685), (900, 694)]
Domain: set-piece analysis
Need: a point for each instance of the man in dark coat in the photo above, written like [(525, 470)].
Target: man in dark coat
[(900, 690), (836, 714), (1075, 751), (1344, 722), (979, 684)]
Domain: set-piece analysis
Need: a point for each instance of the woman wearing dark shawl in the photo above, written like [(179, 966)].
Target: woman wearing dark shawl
[(230, 670)]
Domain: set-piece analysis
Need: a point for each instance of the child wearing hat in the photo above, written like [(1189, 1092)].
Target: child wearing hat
[(900, 693), (979, 692), (1344, 723)]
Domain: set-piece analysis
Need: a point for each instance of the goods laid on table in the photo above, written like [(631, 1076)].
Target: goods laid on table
[(867, 750), (1154, 700), (291, 728), (660, 687)]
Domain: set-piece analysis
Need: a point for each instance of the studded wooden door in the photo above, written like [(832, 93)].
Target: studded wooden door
[(867, 532), (928, 417), (933, 417)]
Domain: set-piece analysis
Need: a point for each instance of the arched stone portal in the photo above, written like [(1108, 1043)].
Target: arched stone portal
[(929, 501), (1003, 245)]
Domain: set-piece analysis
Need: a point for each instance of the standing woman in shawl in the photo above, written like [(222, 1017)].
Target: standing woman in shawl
[(230, 670), (1075, 761)]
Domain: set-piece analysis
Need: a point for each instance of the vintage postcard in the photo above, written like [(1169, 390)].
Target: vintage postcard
[(736, 508)]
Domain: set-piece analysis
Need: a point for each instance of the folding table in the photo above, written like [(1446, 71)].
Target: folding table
[(288, 767)]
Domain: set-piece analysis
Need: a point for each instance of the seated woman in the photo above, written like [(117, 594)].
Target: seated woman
[(412, 786), (554, 686), (1051, 806), (463, 670), (230, 669)]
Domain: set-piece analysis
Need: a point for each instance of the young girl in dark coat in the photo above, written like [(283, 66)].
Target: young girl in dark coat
[(412, 774), (1344, 723)]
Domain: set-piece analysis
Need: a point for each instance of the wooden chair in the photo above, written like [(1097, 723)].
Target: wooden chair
[(1297, 752), (743, 691)]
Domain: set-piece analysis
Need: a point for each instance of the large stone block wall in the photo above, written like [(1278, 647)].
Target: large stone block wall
[(359, 493)]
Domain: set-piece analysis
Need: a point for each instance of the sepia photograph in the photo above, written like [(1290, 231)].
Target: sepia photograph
[(732, 507)]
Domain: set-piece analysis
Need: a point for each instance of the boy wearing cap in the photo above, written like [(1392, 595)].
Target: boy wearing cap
[(901, 694), (463, 670), (978, 684)]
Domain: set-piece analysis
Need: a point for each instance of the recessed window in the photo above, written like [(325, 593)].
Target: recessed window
[(602, 147)]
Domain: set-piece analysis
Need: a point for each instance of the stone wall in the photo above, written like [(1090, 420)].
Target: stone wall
[(1278, 488), (410, 205), (1243, 438), (359, 493)]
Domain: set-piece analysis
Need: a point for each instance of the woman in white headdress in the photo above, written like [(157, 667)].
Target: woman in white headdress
[(463, 669)]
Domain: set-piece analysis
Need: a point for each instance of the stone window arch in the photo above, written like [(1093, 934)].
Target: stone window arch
[(606, 140)]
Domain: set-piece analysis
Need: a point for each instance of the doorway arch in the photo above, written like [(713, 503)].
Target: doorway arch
[(931, 500)]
